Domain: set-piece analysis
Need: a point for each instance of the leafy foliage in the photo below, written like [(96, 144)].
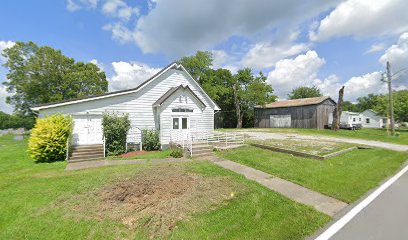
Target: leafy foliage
[(41, 74), (16, 121), (150, 139), (176, 152), (197, 65), (305, 92), (115, 129), (48, 140)]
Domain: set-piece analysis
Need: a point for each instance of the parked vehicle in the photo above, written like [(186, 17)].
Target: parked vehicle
[(348, 120)]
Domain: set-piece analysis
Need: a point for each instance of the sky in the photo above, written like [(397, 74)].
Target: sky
[(319, 43)]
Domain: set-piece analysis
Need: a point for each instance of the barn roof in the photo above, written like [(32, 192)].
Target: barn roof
[(296, 102)]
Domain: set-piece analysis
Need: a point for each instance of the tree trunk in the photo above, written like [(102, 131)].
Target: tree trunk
[(338, 110), (237, 108)]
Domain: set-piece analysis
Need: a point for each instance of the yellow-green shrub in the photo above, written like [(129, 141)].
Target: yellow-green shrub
[(48, 140)]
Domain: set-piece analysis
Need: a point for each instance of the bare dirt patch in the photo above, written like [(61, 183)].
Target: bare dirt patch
[(159, 197), (134, 153)]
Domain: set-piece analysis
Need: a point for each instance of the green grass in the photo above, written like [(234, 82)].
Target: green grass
[(346, 177), (33, 204), (366, 133), (318, 148), (148, 155)]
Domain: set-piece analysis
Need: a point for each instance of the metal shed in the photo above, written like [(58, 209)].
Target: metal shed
[(297, 113)]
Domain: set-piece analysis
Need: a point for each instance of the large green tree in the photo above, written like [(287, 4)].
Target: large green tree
[(305, 92), (400, 102), (368, 102), (197, 65), (250, 91), (41, 74)]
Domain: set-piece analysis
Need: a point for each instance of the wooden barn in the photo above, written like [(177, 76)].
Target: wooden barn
[(297, 113)]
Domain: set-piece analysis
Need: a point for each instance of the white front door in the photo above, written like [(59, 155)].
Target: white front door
[(180, 127), (87, 130)]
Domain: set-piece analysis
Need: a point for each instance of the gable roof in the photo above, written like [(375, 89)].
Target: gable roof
[(296, 102), (171, 91), (172, 65)]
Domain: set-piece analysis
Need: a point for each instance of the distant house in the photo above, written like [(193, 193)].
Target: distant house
[(297, 113), (349, 120), (372, 119)]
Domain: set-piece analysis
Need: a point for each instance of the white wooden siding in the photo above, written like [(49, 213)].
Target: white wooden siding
[(139, 105)]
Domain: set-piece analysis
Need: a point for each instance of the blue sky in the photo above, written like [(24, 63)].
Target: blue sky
[(313, 42)]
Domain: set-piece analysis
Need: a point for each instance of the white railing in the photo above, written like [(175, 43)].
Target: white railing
[(226, 138), (183, 140), (67, 151), (104, 147)]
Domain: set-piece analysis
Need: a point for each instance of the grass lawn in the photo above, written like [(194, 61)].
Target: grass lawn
[(346, 177), (366, 133), (305, 146), (43, 201)]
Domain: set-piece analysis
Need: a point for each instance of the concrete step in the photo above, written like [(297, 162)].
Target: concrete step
[(87, 147), (86, 156), (203, 147), (85, 159), (202, 151), (94, 150), (87, 153)]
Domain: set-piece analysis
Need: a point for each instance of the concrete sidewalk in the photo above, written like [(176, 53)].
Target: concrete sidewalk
[(322, 203), (386, 217)]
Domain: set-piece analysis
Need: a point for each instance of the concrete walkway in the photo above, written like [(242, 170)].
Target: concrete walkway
[(101, 163), (322, 203), (269, 135)]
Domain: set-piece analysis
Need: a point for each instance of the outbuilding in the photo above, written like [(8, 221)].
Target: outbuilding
[(297, 113), (372, 119)]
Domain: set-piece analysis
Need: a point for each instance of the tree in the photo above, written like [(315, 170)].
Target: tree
[(351, 107), (41, 74), (400, 105), (250, 91), (368, 102), (16, 121), (337, 111), (305, 92), (198, 64)]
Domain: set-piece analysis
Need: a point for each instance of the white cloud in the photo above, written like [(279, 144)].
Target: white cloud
[(120, 32), (303, 71), (75, 5), (4, 45), (4, 107), (292, 73), (193, 25), (129, 75), (397, 54), (265, 54), (99, 64), (119, 9), (376, 48), (364, 18)]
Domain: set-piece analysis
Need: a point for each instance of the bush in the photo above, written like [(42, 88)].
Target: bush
[(150, 140), (176, 152), (48, 141), (115, 130)]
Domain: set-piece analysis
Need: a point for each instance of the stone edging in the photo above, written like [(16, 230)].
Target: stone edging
[(301, 154)]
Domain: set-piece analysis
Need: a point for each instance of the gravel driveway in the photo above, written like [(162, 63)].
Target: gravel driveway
[(268, 135)]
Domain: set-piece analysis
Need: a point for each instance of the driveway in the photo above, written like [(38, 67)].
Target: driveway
[(268, 135), (386, 217)]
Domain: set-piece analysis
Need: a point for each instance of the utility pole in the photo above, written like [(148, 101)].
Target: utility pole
[(390, 102)]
